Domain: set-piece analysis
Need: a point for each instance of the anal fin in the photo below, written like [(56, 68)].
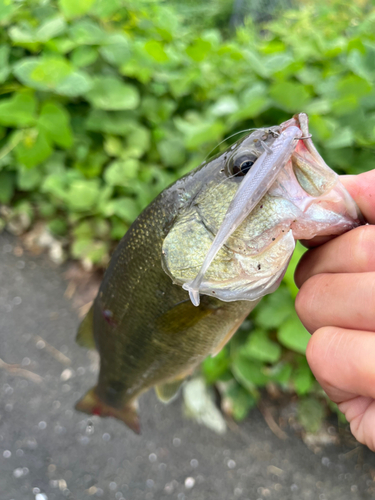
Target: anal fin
[(168, 391), (93, 405), (85, 333)]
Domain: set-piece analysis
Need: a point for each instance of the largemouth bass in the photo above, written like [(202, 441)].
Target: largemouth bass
[(142, 322)]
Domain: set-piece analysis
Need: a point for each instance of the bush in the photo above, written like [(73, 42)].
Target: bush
[(106, 102)]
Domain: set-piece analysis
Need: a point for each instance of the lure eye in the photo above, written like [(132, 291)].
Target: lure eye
[(241, 164)]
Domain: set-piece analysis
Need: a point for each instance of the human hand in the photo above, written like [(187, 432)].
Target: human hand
[(336, 303)]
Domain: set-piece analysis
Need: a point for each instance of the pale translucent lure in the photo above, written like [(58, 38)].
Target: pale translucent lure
[(252, 189)]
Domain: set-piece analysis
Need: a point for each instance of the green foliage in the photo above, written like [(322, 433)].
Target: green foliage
[(310, 414), (103, 103)]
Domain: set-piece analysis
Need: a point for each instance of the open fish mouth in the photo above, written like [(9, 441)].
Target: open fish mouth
[(235, 239)]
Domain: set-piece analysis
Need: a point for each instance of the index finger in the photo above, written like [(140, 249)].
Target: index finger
[(362, 189)]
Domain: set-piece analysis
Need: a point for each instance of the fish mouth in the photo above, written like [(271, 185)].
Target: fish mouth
[(305, 200)]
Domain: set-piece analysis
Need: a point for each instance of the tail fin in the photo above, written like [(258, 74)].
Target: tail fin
[(85, 333), (92, 405)]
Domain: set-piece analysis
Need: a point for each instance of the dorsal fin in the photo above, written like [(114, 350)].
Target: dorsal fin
[(85, 333)]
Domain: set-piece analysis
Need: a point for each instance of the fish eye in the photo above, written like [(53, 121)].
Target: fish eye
[(239, 165)]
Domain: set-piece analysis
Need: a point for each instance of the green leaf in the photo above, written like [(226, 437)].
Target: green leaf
[(4, 66), (138, 142), (310, 414), (289, 275), (110, 93), (58, 226), (290, 96), (116, 49), (56, 186), (93, 251), (113, 146), (156, 50), (125, 208), (45, 208), (61, 45), (277, 62), (75, 8), (260, 347), (362, 64), (322, 126), (87, 32), (199, 50), (281, 373), (52, 73), (33, 149), (113, 122), (353, 85), (238, 401), (253, 101), (83, 194), (274, 309), (172, 152), (6, 186), (215, 367), (83, 230), (226, 105), (50, 28), (293, 335), (7, 7), (18, 110), (54, 121), (106, 8), (341, 139), (28, 179), (249, 373), (199, 132), (118, 228), (157, 110), (77, 83), (84, 56), (303, 379), (25, 33), (42, 73), (119, 172)]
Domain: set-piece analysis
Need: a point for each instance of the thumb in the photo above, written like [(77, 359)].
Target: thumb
[(362, 189)]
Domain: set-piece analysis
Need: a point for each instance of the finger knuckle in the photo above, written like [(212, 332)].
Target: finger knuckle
[(318, 355), (364, 248), (305, 300)]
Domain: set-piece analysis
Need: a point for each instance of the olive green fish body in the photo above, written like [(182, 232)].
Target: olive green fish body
[(144, 326)]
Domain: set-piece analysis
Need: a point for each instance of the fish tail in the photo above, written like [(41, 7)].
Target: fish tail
[(93, 405)]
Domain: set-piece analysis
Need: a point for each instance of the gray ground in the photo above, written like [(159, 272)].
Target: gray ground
[(49, 451)]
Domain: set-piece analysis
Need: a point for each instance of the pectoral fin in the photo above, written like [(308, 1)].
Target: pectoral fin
[(182, 317), (168, 391), (238, 322), (92, 405), (85, 333)]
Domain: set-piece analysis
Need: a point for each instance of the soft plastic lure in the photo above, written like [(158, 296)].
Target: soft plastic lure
[(252, 189)]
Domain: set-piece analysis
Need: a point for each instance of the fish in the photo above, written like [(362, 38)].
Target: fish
[(143, 324)]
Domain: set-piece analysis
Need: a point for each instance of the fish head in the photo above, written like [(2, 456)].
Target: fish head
[(305, 200)]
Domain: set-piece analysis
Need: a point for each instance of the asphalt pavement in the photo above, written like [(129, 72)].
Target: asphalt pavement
[(48, 451)]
